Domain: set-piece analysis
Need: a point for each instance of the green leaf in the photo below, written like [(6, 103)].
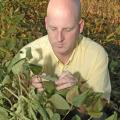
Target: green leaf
[(80, 99), (13, 62), (59, 102), (31, 113), (63, 92), (72, 93), (118, 29), (11, 43), (18, 67), (95, 106), (49, 87), (114, 65), (28, 53), (95, 114), (17, 18), (50, 112), (55, 116), (76, 117), (36, 69), (112, 117), (38, 107), (6, 80), (1, 74), (3, 114)]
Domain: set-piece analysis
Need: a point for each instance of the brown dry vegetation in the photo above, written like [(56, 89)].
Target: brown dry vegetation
[(109, 9)]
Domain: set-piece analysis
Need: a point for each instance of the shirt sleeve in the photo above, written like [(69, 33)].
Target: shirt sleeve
[(99, 79)]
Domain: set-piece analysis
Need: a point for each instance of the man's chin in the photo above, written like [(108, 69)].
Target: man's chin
[(60, 51)]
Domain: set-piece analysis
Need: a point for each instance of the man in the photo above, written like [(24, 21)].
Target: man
[(64, 51)]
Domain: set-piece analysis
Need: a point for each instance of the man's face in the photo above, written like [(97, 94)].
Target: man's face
[(63, 30)]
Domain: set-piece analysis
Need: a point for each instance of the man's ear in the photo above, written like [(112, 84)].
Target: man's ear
[(46, 21), (81, 23)]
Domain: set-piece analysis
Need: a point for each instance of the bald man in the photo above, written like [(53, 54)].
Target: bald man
[(65, 51)]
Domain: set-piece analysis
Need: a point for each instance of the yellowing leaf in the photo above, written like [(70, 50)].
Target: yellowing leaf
[(95, 108), (72, 93)]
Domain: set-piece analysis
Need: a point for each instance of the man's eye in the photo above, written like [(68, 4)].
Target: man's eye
[(53, 28), (68, 29)]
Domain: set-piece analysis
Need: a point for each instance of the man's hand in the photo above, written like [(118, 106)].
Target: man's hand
[(37, 83), (65, 80)]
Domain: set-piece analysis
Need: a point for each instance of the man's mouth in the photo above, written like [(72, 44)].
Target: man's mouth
[(59, 45)]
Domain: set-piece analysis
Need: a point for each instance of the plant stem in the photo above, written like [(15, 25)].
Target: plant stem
[(20, 85), (67, 112), (11, 92)]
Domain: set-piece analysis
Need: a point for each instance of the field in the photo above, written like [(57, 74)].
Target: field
[(22, 21)]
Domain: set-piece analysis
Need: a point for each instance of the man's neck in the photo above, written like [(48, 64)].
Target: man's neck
[(63, 58)]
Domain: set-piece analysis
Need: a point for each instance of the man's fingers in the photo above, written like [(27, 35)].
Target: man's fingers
[(37, 85), (36, 82), (65, 73), (36, 79), (82, 109), (63, 86), (60, 81), (66, 76), (40, 89), (64, 80)]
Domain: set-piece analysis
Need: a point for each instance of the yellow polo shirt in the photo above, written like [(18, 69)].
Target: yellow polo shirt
[(89, 60)]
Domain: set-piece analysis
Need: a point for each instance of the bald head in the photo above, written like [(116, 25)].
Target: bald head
[(64, 7)]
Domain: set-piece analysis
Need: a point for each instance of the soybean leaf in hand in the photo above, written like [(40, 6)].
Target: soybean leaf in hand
[(50, 78), (49, 87)]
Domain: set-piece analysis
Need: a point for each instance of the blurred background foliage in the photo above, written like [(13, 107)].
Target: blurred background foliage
[(22, 21)]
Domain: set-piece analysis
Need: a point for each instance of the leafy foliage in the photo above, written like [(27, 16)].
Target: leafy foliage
[(19, 101)]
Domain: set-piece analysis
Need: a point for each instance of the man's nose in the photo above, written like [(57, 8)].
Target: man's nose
[(60, 36)]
